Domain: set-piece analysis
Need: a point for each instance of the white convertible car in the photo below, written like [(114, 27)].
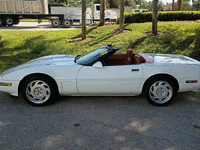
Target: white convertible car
[(103, 73)]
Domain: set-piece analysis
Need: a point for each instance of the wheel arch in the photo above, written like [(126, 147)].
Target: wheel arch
[(162, 75), (36, 75)]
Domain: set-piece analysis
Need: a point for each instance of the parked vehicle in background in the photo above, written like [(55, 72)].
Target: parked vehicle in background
[(140, 10), (74, 14), (11, 11)]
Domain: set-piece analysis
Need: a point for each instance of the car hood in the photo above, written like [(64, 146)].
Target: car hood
[(46, 60), (169, 59)]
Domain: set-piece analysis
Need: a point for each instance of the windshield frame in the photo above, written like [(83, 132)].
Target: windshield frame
[(95, 56)]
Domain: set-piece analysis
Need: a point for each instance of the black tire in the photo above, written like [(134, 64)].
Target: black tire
[(38, 91), (1, 22), (107, 20), (17, 21), (67, 23), (55, 23), (160, 91), (9, 21)]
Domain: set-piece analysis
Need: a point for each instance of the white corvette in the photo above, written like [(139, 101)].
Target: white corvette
[(103, 73)]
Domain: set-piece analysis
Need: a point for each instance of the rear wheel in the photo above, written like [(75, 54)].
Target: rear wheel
[(17, 21), (160, 92), (38, 91), (67, 23), (9, 21), (55, 23)]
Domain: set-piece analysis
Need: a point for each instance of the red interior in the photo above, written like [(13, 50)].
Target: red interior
[(124, 59)]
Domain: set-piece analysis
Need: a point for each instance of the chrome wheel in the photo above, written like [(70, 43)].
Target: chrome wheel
[(38, 91), (160, 92)]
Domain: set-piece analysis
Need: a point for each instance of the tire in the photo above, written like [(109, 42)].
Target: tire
[(107, 20), (1, 22), (9, 21), (67, 23), (17, 21), (55, 23), (38, 91), (160, 92)]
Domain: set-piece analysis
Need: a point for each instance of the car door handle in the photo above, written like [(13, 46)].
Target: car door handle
[(135, 70)]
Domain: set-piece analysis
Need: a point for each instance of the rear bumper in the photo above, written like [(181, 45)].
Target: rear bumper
[(185, 86)]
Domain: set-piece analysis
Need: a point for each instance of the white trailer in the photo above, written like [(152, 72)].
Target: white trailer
[(74, 14), (11, 11)]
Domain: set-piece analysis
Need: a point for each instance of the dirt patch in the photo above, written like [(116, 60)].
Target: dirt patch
[(159, 34), (77, 39), (125, 31)]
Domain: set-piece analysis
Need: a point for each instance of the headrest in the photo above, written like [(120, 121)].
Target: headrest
[(129, 52)]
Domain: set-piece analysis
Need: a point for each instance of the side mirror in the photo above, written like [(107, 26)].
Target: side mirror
[(97, 65)]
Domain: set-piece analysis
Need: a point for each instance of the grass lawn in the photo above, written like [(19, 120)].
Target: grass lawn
[(17, 47)]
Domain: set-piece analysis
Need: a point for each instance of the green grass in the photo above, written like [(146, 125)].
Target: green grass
[(17, 47)]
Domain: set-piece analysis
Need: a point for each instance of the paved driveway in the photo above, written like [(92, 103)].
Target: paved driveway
[(101, 123), (35, 26)]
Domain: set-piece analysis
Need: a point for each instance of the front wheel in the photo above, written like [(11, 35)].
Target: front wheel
[(9, 21), (160, 92), (38, 91)]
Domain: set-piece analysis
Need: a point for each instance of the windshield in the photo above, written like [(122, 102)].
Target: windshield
[(92, 57)]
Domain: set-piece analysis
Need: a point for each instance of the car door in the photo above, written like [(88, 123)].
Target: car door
[(109, 80)]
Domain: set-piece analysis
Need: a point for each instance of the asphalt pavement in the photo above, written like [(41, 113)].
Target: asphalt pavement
[(101, 123), (35, 26)]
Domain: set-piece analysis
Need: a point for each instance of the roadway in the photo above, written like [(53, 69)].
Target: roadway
[(35, 26), (101, 123)]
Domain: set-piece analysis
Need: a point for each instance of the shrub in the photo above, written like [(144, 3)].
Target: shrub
[(139, 17)]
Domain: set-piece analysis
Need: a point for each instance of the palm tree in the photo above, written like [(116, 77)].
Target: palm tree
[(121, 20), (83, 19), (154, 17), (102, 10), (172, 5)]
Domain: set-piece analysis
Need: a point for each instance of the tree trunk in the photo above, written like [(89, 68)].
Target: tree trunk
[(102, 10), (121, 21), (83, 19), (192, 4), (179, 5), (154, 17), (172, 5)]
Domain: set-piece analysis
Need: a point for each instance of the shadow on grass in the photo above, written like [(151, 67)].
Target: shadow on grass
[(31, 48), (169, 44)]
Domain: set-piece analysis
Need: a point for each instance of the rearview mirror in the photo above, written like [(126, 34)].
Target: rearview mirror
[(97, 65)]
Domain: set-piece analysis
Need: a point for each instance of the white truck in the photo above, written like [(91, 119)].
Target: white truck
[(11, 11), (74, 14)]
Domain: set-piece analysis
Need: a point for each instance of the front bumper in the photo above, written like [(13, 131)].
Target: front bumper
[(5, 84), (9, 87)]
